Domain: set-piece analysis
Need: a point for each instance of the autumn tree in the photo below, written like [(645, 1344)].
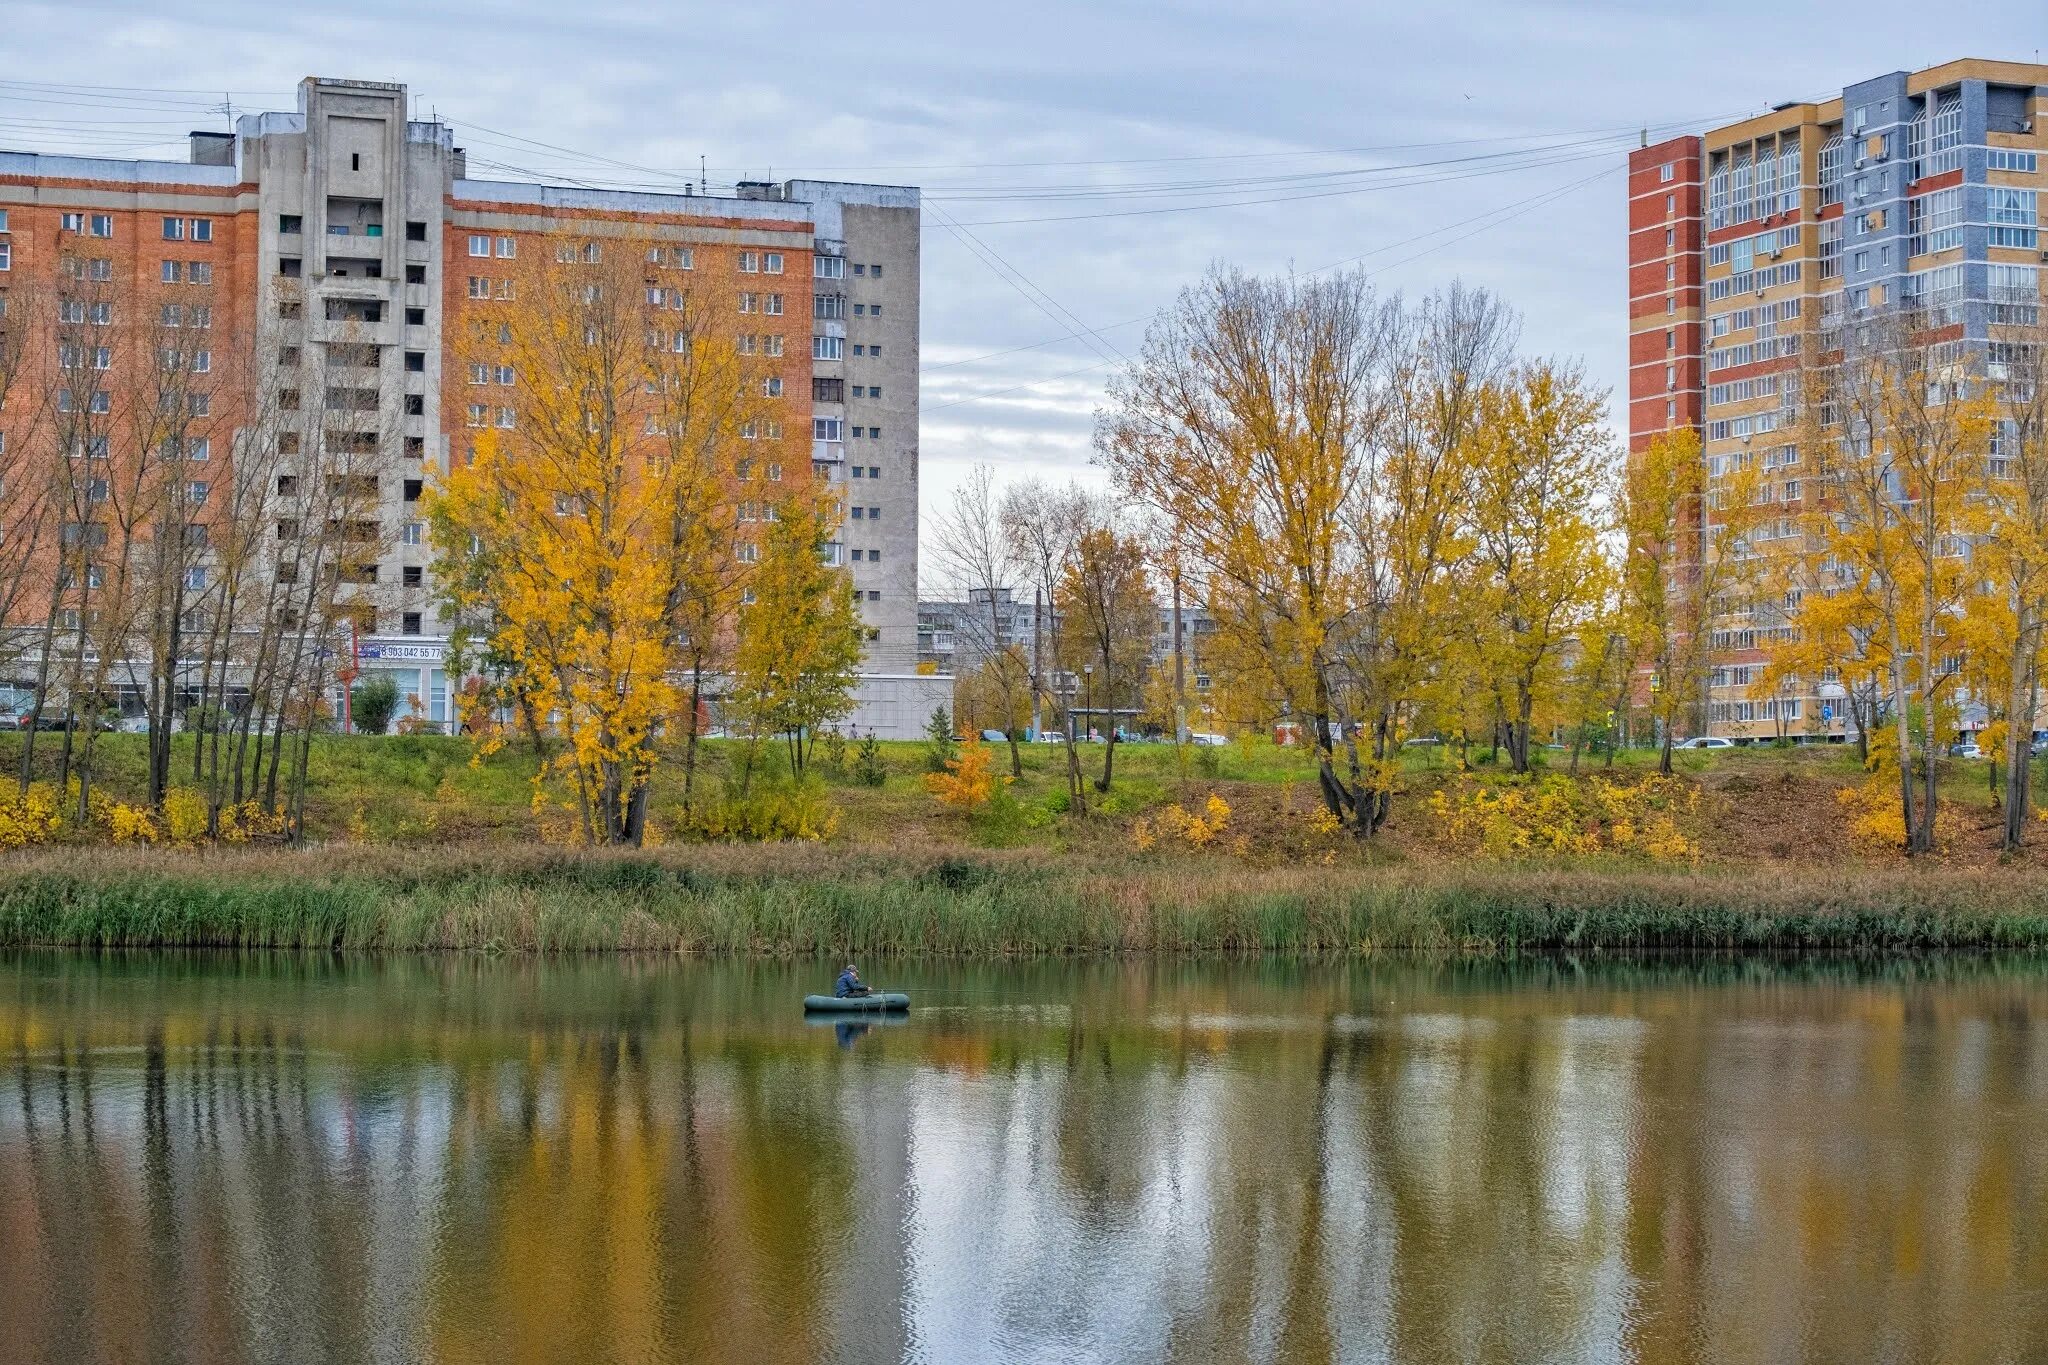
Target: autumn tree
[(2009, 620), (799, 635), (628, 413), (1686, 554), (1540, 482), (1042, 527), (1106, 604), (1250, 421), (979, 560), (1900, 430)]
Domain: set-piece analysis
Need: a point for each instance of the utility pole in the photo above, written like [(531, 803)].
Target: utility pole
[(1037, 676), (1180, 674)]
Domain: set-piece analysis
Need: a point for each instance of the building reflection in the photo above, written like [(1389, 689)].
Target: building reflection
[(272, 1159)]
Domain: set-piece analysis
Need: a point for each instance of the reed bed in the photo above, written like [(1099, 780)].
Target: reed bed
[(810, 900)]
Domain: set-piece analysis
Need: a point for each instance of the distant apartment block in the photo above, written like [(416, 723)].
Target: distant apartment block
[(1923, 188), (350, 245)]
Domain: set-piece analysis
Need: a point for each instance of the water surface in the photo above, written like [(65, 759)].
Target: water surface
[(276, 1158)]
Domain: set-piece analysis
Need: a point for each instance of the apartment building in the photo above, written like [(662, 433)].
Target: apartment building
[(1919, 187), (340, 249)]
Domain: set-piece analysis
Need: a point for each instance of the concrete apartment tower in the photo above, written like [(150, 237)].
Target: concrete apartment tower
[(1920, 187), (346, 248)]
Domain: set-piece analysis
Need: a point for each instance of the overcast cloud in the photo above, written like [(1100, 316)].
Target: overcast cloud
[(954, 96)]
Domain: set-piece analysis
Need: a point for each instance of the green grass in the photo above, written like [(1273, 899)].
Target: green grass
[(810, 900)]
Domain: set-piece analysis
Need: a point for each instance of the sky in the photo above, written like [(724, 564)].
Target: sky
[(1426, 142)]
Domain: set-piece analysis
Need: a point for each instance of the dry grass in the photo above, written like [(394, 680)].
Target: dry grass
[(818, 899)]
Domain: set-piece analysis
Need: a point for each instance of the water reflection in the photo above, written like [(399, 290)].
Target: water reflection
[(283, 1158)]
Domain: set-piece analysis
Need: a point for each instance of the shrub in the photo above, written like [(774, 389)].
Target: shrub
[(1554, 815), (1176, 823), (131, 824), (868, 768), (371, 703), (939, 746), (969, 780), (31, 818), (769, 812), (184, 815)]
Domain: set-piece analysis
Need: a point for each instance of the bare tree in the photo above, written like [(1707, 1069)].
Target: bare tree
[(1043, 526), (980, 561)]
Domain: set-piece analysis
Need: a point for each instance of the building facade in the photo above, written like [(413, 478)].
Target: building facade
[(1917, 188), (338, 252)]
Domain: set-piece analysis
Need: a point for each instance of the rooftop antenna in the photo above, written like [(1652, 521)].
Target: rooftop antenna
[(703, 180), (227, 108), (1646, 137)]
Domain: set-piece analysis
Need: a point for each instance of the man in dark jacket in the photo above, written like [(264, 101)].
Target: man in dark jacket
[(849, 983)]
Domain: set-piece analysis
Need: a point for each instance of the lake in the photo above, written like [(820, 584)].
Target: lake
[(293, 1158)]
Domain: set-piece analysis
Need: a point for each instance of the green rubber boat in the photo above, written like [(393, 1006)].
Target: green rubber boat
[(857, 1004)]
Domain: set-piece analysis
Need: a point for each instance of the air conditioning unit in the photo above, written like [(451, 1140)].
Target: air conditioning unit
[(2026, 125)]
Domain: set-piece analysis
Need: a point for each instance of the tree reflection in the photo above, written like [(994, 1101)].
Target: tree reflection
[(259, 1158)]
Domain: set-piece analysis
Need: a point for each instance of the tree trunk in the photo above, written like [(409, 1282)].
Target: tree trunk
[(690, 741), (1902, 723), (1016, 755), (2019, 737)]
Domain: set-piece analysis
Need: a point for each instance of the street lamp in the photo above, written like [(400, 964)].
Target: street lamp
[(1088, 698)]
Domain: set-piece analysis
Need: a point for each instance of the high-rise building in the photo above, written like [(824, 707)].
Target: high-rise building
[(340, 251), (1918, 189)]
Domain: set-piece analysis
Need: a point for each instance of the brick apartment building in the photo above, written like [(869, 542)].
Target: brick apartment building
[(1922, 186), (348, 244)]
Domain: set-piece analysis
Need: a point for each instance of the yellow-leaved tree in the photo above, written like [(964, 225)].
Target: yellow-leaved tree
[(1900, 428), (1687, 554), (608, 420), (2010, 618), (1540, 482), (799, 635)]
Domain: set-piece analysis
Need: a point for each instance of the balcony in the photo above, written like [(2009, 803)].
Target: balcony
[(833, 451)]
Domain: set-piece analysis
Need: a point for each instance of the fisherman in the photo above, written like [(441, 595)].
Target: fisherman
[(849, 983)]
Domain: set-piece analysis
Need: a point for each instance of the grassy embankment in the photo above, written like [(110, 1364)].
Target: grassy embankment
[(422, 850)]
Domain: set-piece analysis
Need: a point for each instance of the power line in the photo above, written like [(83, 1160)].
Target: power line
[(1528, 205)]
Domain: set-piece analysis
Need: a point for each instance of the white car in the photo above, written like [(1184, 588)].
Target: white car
[(1705, 742), (1208, 741)]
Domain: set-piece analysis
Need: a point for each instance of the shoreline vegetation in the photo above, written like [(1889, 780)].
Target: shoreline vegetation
[(812, 899)]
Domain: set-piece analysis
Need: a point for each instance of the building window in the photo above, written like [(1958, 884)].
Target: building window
[(772, 388), (750, 262), (771, 304), (479, 245), (771, 263), (508, 248), (412, 533), (828, 267), (174, 229), (749, 303)]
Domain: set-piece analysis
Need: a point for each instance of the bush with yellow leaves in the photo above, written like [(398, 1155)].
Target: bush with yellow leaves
[(29, 818), (1877, 813), (1555, 816), (1176, 824), (969, 780)]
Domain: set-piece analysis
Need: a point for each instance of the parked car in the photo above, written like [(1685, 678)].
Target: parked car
[(994, 737), (1209, 741), (1052, 736), (1705, 742), (1967, 749)]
